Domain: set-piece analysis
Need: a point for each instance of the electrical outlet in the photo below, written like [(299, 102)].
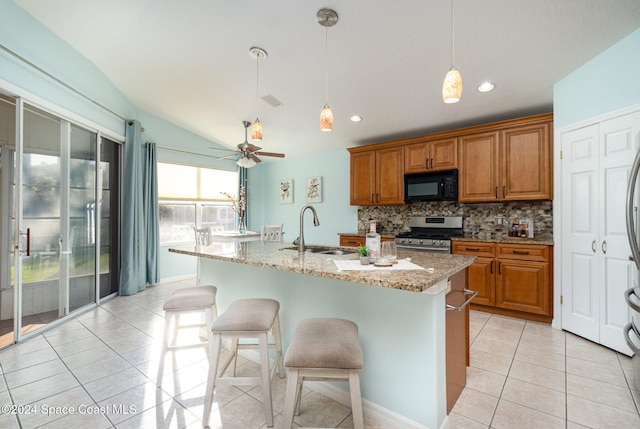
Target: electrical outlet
[(499, 220)]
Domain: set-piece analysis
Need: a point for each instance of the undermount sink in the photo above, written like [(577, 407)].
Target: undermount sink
[(323, 250)]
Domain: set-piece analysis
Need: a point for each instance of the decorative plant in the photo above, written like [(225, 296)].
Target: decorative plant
[(364, 250)]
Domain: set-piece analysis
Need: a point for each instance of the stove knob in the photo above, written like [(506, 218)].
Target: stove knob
[(409, 241), (421, 241), (440, 242)]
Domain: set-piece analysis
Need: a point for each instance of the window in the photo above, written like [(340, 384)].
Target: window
[(192, 196)]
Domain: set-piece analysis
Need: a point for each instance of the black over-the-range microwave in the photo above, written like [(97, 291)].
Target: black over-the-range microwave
[(431, 186)]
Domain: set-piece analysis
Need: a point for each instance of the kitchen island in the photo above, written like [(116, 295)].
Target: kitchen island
[(400, 315)]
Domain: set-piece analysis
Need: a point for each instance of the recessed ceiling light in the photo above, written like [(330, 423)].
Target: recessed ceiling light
[(356, 118), (486, 87)]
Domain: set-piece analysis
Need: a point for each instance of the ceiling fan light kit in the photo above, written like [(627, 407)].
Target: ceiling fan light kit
[(327, 18), (452, 85)]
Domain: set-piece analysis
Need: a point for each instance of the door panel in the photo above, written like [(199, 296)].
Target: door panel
[(580, 239)]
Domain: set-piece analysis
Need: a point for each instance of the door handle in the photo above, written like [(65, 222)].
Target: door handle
[(593, 246), (604, 247), (491, 267), (28, 235), (499, 268), (432, 163)]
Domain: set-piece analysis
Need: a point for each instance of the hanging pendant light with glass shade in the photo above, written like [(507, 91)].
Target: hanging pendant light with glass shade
[(452, 86), (327, 18), (257, 54)]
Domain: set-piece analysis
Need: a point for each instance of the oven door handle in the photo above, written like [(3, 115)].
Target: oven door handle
[(473, 294), (431, 249)]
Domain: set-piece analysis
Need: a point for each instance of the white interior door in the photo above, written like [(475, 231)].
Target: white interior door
[(580, 224), (596, 269), (617, 151)]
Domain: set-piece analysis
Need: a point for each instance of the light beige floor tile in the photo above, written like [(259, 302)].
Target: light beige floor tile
[(490, 362), (78, 346), (44, 388), (9, 421), (539, 375), (167, 415), (485, 381), (533, 396), (53, 408), (611, 374), (457, 421), (89, 357), (35, 373), (534, 344), (242, 413), (505, 322), (586, 350), (625, 361), (510, 415), (76, 420), (495, 345), (133, 401), (596, 415), (103, 368), (31, 345), (369, 423), (536, 356), (21, 361), (319, 411), (476, 405), (598, 391), (115, 383)]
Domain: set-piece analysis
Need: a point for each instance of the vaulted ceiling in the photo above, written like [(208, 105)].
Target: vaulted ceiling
[(188, 61)]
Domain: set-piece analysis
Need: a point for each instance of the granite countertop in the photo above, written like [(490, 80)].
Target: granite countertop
[(280, 256)]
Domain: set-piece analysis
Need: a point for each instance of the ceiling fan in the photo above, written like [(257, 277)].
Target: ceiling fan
[(248, 152)]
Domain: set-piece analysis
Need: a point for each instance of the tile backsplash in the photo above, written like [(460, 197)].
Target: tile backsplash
[(479, 219)]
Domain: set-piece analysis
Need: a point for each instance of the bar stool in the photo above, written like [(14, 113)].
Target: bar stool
[(245, 318), (187, 300), (323, 349)]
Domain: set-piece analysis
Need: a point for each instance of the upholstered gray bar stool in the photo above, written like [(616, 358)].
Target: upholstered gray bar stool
[(187, 300), (323, 349), (245, 318)]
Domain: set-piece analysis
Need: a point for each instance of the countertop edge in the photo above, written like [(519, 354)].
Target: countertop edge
[(360, 277)]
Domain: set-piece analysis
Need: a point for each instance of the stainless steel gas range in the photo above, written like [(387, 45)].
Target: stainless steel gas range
[(430, 233)]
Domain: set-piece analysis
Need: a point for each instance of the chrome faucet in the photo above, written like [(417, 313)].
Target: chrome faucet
[(316, 222)]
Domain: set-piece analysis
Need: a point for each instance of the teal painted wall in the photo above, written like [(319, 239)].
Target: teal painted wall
[(334, 212), (41, 50), (608, 82)]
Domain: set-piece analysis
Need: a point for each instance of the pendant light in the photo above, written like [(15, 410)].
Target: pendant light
[(257, 54), (327, 18), (452, 86)]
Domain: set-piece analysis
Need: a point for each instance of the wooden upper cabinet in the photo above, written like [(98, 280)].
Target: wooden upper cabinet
[(526, 163), (363, 178), (377, 176), (478, 180), (431, 156), (390, 176), (508, 163)]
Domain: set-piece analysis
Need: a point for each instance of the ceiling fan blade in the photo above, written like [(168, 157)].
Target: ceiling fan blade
[(277, 155), (253, 148), (255, 158)]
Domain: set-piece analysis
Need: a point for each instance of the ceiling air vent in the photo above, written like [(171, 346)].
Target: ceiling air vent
[(273, 101)]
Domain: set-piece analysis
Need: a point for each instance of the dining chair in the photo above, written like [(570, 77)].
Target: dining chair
[(271, 233)]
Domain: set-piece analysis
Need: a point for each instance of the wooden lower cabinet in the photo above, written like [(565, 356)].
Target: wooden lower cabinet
[(511, 279), (523, 286)]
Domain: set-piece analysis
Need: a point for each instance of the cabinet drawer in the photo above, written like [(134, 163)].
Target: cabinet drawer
[(524, 252), (351, 240), (473, 248)]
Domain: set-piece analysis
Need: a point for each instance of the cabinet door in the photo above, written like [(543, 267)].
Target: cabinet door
[(416, 158), (526, 163), (523, 286), (389, 176), (431, 156), (363, 178), (482, 279), (443, 154), (478, 179)]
